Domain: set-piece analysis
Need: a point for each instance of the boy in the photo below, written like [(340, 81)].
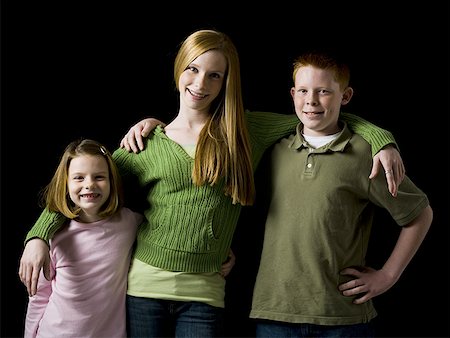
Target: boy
[(312, 277)]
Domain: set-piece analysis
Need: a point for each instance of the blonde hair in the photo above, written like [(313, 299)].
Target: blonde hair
[(326, 62), (223, 148), (55, 196)]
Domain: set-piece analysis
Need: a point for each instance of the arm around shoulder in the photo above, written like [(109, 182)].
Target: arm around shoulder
[(46, 225), (377, 137)]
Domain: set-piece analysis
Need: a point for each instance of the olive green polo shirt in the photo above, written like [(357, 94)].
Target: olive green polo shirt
[(318, 223)]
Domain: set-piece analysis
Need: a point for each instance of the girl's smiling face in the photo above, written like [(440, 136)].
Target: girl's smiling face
[(88, 185), (202, 81)]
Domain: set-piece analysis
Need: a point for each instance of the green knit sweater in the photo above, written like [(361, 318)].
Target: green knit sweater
[(186, 227)]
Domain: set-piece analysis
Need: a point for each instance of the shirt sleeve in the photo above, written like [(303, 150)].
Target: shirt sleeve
[(37, 305), (266, 128), (377, 137), (46, 225)]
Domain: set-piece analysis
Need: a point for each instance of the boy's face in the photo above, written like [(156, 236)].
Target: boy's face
[(317, 100)]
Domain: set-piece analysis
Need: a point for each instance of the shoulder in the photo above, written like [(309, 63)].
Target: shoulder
[(131, 215), (362, 145), (355, 139)]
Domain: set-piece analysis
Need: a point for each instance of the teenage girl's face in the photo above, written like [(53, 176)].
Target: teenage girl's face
[(89, 185), (202, 81), (317, 100)]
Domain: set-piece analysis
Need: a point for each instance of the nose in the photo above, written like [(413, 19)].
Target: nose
[(311, 99), (88, 184), (200, 80)]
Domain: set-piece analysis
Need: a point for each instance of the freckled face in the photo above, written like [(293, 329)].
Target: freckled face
[(202, 81), (317, 100), (88, 184)]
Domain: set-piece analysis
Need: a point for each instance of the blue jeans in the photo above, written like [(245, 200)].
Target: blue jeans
[(148, 317), (272, 329)]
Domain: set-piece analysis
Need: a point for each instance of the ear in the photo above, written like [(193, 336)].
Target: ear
[(292, 92), (347, 96)]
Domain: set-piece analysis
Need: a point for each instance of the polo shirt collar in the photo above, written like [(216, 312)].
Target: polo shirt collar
[(337, 144)]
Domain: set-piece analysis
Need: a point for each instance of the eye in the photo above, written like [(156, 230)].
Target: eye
[(192, 69), (100, 178), (215, 76), (77, 178)]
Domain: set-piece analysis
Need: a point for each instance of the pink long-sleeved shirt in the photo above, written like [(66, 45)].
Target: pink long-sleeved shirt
[(85, 296)]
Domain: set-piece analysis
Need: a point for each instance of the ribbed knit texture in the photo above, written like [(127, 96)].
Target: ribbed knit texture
[(190, 228), (46, 225), (377, 137)]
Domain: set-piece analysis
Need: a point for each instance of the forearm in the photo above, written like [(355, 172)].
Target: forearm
[(410, 238), (377, 137), (268, 127), (46, 225), (265, 128)]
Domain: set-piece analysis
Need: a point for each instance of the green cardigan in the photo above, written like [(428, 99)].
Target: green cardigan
[(186, 227)]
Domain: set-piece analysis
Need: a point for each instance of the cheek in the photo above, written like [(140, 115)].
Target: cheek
[(298, 101), (71, 187), (73, 195), (183, 80), (106, 189), (332, 105), (216, 87)]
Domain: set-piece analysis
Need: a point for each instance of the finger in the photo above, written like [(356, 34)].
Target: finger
[(392, 185), (28, 285), (21, 272), (27, 281), (401, 172), (147, 129), (362, 299), (353, 291), (226, 268), (346, 286), (125, 143), (375, 169), (397, 176), (34, 281), (46, 271), (132, 142), (351, 271), (140, 141)]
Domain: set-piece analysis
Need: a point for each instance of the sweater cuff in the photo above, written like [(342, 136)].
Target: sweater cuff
[(377, 137), (382, 139)]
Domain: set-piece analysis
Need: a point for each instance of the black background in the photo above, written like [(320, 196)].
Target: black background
[(93, 69)]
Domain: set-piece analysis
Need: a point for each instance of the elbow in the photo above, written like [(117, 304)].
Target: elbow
[(426, 218), (428, 211)]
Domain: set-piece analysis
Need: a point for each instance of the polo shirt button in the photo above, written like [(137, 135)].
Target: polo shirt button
[(309, 165)]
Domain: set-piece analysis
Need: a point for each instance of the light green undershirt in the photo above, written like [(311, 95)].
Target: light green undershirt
[(149, 281)]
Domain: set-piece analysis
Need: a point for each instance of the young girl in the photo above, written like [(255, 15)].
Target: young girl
[(90, 254), (197, 173)]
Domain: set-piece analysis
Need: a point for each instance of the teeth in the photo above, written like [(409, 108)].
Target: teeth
[(196, 94), (89, 195)]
